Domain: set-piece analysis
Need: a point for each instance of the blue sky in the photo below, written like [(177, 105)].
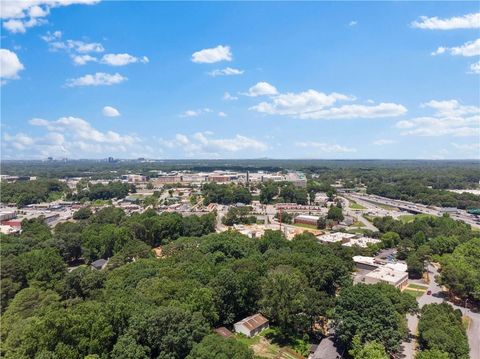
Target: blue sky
[(88, 79)]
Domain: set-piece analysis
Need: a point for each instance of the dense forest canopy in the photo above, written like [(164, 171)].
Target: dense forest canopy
[(150, 307)]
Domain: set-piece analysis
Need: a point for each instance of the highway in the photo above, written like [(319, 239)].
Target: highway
[(461, 215)]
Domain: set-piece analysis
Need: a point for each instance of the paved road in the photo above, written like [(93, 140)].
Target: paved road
[(357, 214), (438, 297), (418, 208)]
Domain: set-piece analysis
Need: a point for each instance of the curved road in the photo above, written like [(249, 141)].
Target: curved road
[(437, 296)]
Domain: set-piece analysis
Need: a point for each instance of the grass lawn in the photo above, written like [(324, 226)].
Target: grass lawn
[(417, 286), (385, 206), (415, 293), (264, 346), (355, 205), (309, 226), (358, 224), (260, 345), (369, 218), (406, 218), (357, 230)]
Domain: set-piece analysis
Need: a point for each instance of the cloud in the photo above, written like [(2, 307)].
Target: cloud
[(69, 136), (122, 59), (212, 55), (195, 113), (296, 103), (357, 111), (228, 71), (471, 48), (83, 59), (449, 118), (472, 150), (97, 79), (475, 68), (81, 51), (222, 114), (382, 142), (203, 143), (228, 97), (261, 89), (18, 16), (353, 23), (312, 104), (10, 65), (110, 111), (468, 21), (325, 147), (81, 129)]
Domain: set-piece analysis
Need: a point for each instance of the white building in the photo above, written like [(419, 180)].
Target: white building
[(387, 275), (336, 237), (252, 325), (362, 242)]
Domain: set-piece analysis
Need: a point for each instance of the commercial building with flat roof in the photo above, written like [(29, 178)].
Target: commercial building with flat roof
[(387, 275)]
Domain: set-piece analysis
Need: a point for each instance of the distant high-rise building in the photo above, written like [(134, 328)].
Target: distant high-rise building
[(110, 160)]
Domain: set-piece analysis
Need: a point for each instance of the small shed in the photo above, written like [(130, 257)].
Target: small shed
[(251, 326), (99, 264), (223, 332)]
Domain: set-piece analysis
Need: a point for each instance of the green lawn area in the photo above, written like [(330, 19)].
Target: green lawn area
[(358, 224), (415, 293), (369, 218), (357, 230), (417, 286), (309, 226), (355, 205), (406, 218), (265, 346), (385, 206)]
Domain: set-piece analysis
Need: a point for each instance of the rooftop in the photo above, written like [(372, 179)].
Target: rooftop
[(254, 321)]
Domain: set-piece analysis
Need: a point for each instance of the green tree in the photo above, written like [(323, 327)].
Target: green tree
[(432, 354), (369, 350), (82, 213), (440, 327), (372, 313), (215, 347), (284, 298), (335, 213)]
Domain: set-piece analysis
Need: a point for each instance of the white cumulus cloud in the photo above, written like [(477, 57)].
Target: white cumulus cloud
[(468, 21), (261, 89), (228, 71), (18, 16), (10, 65), (471, 48), (202, 143), (212, 55), (228, 97), (475, 68), (97, 79), (110, 111), (312, 104), (122, 59), (449, 118)]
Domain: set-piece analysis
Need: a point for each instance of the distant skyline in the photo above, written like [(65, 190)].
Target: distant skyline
[(308, 80)]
